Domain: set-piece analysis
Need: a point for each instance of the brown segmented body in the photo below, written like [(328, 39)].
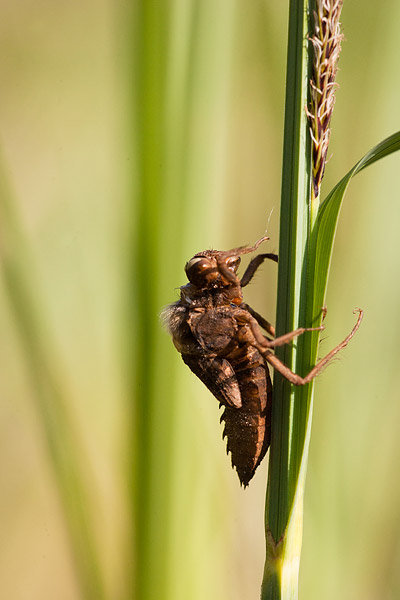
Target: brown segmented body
[(248, 428), (212, 340), (220, 339)]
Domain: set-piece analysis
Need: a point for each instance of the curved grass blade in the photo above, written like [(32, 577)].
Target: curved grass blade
[(282, 582), (320, 253), (325, 227), (321, 246)]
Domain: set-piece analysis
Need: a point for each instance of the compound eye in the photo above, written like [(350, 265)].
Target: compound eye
[(198, 263), (198, 269), (233, 263)]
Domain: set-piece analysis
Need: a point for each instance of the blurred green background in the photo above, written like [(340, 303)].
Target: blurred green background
[(134, 135)]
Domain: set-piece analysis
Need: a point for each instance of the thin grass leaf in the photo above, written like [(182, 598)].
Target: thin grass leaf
[(289, 418), (326, 224), (321, 245), (306, 243), (66, 457), (174, 75)]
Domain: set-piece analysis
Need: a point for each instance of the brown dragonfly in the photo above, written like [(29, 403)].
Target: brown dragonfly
[(220, 338)]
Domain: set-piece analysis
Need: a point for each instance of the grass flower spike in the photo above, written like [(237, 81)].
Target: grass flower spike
[(326, 39)]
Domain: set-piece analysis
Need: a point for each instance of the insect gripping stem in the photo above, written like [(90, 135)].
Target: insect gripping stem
[(220, 338), (293, 377)]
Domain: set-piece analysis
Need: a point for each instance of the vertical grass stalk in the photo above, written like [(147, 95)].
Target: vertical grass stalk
[(306, 242), (282, 558), (148, 486), (161, 41), (292, 408)]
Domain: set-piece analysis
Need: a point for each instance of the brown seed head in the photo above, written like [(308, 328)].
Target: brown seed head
[(326, 39)]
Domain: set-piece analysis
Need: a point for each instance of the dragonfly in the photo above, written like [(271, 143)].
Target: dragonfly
[(229, 346)]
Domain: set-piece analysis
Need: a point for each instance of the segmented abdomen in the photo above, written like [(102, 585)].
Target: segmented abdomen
[(248, 428)]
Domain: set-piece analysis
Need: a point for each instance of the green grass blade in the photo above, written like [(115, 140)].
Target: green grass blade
[(65, 454), (283, 548), (321, 247), (149, 491), (312, 297), (175, 80), (325, 229), (305, 251)]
